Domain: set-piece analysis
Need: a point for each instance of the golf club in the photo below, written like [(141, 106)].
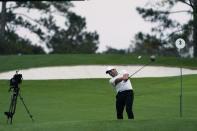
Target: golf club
[(152, 59)]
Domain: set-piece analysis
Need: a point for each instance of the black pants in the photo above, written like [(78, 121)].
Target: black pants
[(124, 98)]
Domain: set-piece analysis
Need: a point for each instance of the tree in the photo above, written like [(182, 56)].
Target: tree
[(75, 39), (3, 21), (43, 27), (111, 50), (17, 45), (149, 44), (168, 30)]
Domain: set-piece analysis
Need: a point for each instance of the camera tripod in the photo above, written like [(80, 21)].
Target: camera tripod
[(12, 109)]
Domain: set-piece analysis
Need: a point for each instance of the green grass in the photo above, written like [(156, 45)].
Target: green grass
[(89, 105), (13, 62)]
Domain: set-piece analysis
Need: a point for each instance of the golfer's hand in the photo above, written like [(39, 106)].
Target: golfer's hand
[(125, 77)]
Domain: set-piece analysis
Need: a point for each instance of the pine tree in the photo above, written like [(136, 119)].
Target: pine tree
[(167, 30)]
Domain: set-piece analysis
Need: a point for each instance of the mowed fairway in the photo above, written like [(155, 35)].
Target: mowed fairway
[(14, 62), (89, 105)]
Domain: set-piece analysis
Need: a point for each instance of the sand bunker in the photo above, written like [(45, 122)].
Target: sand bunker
[(93, 71)]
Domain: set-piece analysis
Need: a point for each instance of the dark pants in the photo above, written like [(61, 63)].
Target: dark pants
[(124, 98)]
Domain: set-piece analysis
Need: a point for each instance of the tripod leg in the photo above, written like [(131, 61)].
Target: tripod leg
[(12, 108), (26, 108)]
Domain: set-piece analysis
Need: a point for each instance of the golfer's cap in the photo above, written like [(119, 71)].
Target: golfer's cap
[(109, 68)]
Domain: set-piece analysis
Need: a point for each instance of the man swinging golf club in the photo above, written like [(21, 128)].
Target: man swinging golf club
[(125, 95)]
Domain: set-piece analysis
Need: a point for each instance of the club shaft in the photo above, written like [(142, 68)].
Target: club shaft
[(139, 69)]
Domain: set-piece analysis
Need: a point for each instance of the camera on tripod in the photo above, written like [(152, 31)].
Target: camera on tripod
[(15, 80)]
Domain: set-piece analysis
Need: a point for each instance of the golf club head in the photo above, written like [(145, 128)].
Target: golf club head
[(152, 58)]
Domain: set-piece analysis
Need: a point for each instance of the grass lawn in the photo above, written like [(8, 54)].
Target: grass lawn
[(14, 62), (89, 105)]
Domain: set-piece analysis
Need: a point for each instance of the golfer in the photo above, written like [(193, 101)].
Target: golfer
[(125, 95)]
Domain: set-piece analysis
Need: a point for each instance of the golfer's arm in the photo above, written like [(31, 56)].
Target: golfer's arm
[(118, 80), (125, 78)]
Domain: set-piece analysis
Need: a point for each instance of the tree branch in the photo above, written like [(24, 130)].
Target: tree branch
[(168, 36), (183, 1), (174, 32), (180, 11), (13, 7), (191, 4), (29, 18)]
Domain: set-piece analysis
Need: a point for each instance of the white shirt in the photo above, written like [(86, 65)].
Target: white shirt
[(121, 86)]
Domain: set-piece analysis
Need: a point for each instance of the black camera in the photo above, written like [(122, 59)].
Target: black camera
[(17, 79)]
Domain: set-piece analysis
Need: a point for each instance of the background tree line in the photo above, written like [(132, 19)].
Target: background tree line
[(73, 38), (162, 39)]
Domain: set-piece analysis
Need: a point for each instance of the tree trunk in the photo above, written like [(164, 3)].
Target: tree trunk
[(3, 20), (195, 29)]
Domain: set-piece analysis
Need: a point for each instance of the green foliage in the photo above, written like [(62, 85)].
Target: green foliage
[(111, 50), (20, 48), (150, 45), (158, 16), (166, 30), (75, 39), (13, 44)]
